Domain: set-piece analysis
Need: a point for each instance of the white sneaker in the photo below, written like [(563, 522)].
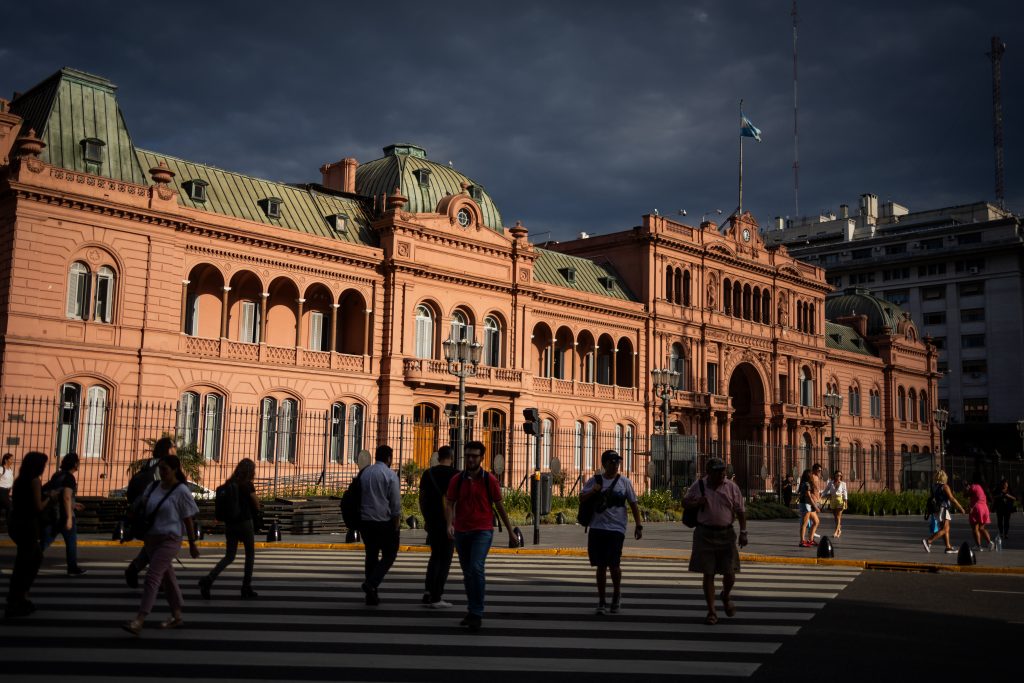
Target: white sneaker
[(951, 551), (991, 545), (441, 604), (602, 608), (927, 545), (817, 535), (978, 549)]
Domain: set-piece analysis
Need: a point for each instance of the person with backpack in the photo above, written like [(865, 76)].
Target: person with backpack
[(65, 522), (433, 487), (380, 520), (137, 486), (25, 529), (236, 506), (607, 528), (472, 498), (940, 502), (168, 507), (714, 549)]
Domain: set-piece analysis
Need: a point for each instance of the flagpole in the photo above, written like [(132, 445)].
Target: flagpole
[(740, 210)]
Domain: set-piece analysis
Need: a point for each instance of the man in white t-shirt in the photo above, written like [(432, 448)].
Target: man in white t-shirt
[(608, 526)]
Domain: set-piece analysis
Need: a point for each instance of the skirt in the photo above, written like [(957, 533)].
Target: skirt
[(979, 514)]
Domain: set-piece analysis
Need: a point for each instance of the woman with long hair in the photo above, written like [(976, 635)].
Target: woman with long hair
[(944, 499), (25, 530), (808, 511), (835, 495), (169, 507), (240, 489)]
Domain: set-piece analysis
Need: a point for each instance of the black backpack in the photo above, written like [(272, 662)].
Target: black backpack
[(140, 481), (228, 505), (594, 504), (352, 503), (54, 515)]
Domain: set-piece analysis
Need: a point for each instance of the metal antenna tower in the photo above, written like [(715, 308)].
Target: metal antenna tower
[(996, 55), (796, 137)]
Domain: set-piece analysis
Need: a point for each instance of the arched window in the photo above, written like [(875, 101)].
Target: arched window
[(853, 396), (901, 405), (627, 449), (806, 387), (188, 419), (669, 280), (588, 446), (876, 462), (208, 423), (268, 428), (617, 439), (755, 313), (727, 296), (95, 422), (746, 302), (103, 309), (912, 405), (876, 403), (492, 343), (356, 415), (737, 300), (923, 407), (677, 362), (547, 431), (686, 288), (679, 286), (766, 307), (424, 332), (77, 306), (577, 449), (278, 429), (213, 425), (812, 318), (67, 426), (249, 325), (336, 428), (854, 450), (460, 327)]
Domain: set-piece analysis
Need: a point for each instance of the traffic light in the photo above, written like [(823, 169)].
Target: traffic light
[(532, 421)]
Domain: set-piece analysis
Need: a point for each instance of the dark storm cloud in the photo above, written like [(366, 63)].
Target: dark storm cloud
[(575, 116)]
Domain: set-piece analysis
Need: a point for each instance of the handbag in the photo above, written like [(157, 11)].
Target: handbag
[(139, 523), (690, 513)]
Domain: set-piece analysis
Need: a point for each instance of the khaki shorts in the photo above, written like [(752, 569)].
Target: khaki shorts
[(714, 551)]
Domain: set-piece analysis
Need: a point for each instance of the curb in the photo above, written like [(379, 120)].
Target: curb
[(660, 554)]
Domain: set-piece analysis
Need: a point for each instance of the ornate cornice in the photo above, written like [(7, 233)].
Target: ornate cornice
[(276, 263)]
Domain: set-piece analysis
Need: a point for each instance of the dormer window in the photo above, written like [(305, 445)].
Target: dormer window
[(608, 281), (92, 150), (272, 207), (569, 274), (476, 192), (338, 222), (422, 176), (197, 190)]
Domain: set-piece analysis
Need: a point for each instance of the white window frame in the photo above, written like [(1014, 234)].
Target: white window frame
[(77, 303), (95, 421), (213, 426), (424, 332), (492, 342), (103, 306), (287, 429), (317, 338), (249, 325), (547, 433), (188, 419), (68, 412), (268, 429)]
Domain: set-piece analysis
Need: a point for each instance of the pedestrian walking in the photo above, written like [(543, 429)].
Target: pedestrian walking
[(835, 497), (714, 549), (6, 482), (239, 529), (787, 490), (137, 487), (381, 513), (943, 500), (65, 487), (471, 497), (808, 512), (433, 489), (25, 529), (978, 514), (607, 530), (1005, 503), (168, 507)]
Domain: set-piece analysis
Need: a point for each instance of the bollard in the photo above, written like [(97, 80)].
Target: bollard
[(274, 532), (352, 536), (560, 518), (965, 556), (519, 542), (825, 550), (199, 530), (413, 522), (119, 531)]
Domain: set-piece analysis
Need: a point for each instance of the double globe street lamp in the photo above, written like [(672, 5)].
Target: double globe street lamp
[(463, 356), (941, 416), (833, 405)]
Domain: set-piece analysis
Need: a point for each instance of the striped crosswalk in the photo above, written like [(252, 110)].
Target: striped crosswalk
[(310, 623)]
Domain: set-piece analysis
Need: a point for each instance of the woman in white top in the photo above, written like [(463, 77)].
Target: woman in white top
[(835, 494), (169, 506), (6, 482)]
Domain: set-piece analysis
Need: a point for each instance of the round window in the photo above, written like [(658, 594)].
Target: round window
[(463, 217)]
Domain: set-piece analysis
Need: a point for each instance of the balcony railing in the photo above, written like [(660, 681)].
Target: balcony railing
[(276, 355)]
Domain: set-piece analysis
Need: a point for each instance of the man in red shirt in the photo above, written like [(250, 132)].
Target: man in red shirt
[(471, 495)]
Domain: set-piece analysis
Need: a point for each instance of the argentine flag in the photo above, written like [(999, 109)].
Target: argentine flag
[(749, 130)]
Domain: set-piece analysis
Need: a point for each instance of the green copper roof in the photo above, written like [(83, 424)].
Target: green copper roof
[(551, 268), (71, 106), (303, 209), (880, 312), (398, 168), (843, 338)]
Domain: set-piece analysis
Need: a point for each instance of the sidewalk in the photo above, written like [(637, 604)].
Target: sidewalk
[(877, 542)]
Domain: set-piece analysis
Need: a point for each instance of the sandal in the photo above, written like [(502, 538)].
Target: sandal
[(730, 606), (711, 619), (133, 627), (173, 622)]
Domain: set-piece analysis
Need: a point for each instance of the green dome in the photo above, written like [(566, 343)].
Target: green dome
[(855, 301), (422, 181)]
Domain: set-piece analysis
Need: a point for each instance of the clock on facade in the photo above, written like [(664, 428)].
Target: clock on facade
[(746, 235), (463, 217)]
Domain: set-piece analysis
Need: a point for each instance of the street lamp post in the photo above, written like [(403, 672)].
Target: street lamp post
[(833, 404), (665, 384), (463, 356), (941, 416)]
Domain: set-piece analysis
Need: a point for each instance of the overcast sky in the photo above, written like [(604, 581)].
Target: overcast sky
[(576, 116)]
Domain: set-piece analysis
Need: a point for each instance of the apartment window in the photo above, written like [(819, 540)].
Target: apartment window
[(249, 329), (713, 378), (975, 369), (933, 243), (876, 404), (861, 278), (975, 410), (897, 296), (971, 288), (861, 253), (836, 281), (78, 291), (934, 292), (424, 332), (972, 341), (272, 207), (893, 249), (931, 269), (896, 274), (969, 238), (972, 315), (971, 265), (830, 259), (942, 366), (935, 318), (853, 399)]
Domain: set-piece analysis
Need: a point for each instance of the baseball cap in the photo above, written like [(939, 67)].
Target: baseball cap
[(715, 464), (610, 456)]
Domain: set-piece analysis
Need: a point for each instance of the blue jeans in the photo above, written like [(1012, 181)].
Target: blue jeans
[(70, 541), (473, 547)]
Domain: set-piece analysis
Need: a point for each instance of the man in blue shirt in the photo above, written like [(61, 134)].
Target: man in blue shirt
[(381, 513)]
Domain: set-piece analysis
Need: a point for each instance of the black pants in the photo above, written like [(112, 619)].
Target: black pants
[(381, 541), (1003, 519), (234, 533), (26, 567), (440, 562), (5, 504)]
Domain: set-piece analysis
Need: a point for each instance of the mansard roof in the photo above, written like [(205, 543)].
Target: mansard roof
[(856, 301), (844, 338), (71, 106), (402, 166), (590, 277)]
